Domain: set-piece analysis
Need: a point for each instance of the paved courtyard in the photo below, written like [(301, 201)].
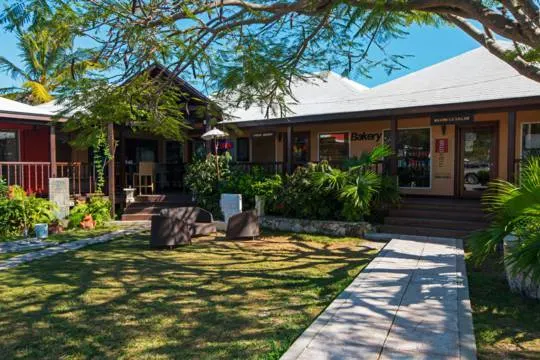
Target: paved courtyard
[(411, 302)]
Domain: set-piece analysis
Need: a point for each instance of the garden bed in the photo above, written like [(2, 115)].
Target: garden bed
[(325, 227)]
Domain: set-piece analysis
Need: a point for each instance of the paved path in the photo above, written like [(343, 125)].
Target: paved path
[(411, 302), (62, 248)]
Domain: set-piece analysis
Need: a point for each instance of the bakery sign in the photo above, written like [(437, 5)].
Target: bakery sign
[(366, 136), (452, 118)]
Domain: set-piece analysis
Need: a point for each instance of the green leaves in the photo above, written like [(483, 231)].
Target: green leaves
[(514, 210)]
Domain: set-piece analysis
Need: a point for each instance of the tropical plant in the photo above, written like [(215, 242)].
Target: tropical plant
[(19, 212), (201, 179), (47, 56), (98, 206), (357, 186), (514, 210)]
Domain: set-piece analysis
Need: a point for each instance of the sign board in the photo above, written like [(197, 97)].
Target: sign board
[(441, 145), (59, 194), (366, 136), (231, 204), (452, 118)]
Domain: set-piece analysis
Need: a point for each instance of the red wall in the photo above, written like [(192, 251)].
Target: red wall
[(33, 141)]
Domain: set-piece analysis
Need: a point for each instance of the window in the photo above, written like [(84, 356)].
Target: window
[(242, 149), (300, 149), (414, 156), (530, 140), (334, 147), (9, 145), (174, 152)]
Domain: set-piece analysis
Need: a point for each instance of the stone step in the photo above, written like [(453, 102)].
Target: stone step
[(424, 231), (434, 223), (438, 214)]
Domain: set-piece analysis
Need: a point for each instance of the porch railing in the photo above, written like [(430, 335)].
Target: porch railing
[(34, 176)]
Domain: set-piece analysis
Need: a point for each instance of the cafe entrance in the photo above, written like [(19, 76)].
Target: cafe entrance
[(476, 158)]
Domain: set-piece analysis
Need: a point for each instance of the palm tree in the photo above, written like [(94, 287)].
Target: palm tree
[(47, 57), (359, 186), (515, 210)]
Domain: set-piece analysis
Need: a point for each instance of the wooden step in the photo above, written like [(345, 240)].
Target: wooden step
[(461, 205), (164, 198), (137, 217), (435, 223), (438, 214), (424, 231)]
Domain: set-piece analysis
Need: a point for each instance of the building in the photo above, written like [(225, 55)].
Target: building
[(454, 125)]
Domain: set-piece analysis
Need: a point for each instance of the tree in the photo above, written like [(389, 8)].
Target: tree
[(255, 48), (47, 53)]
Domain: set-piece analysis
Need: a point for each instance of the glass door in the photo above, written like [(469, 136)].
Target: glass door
[(477, 160)]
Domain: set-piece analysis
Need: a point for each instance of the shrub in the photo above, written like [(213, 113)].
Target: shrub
[(20, 211), (99, 207), (201, 179), (514, 210)]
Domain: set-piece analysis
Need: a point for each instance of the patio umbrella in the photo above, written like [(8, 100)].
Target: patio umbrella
[(215, 134)]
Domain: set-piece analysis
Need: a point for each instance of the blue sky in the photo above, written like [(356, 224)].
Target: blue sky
[(427, 45)]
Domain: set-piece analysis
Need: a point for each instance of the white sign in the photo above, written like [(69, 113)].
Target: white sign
[(231, 204), (59, 194)]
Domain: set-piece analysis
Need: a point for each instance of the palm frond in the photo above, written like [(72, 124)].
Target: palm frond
[(12, 70), (40, 94)]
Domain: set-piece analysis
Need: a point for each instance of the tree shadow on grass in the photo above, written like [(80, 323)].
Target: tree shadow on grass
[(213, 299)]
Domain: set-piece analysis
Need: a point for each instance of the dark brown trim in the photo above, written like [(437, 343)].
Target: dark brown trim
[(527, 103), (52, 140), (394, 133), (289, 149), (511, 145), (111, 166)]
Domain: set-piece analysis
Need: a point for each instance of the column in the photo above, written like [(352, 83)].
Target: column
[(511, 145), (52, 144)]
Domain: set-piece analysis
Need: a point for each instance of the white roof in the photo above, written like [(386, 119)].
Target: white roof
[(8, 106), (318, 94), (473, 76)]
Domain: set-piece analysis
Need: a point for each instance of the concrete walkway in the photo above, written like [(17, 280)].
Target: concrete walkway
[(411, 302), (62, 248)]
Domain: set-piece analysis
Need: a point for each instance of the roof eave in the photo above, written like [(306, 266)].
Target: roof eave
[(496, 104)]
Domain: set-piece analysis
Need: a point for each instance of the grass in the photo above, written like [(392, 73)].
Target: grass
[(507, 326), (215, 299), (72, 234)]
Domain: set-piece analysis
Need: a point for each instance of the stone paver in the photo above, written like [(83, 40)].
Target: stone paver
[(62, 248), (410, 302), (23, 245)]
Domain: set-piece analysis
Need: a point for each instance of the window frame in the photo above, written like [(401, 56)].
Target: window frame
[(522, 128), (348, 132), (248, 149), (430, 155), (18, 143)]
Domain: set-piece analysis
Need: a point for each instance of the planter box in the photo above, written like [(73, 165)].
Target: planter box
[(519, 283), (325, 227)]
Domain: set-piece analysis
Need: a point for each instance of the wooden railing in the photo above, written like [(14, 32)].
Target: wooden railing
[(34, 176)]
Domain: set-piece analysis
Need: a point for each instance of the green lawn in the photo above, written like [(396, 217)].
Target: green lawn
[(213, 299), (507, 326)]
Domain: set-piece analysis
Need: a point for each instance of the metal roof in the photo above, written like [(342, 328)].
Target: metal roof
[(473, 77)]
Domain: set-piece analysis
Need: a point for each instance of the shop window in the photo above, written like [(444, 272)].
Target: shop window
[(334, 147), (530, 140), (300, 149), (9, 145), (242, 149), (414, 157)]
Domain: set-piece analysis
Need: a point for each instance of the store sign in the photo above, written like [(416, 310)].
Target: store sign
[(452, 118), (366, 136), (441, 145)]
